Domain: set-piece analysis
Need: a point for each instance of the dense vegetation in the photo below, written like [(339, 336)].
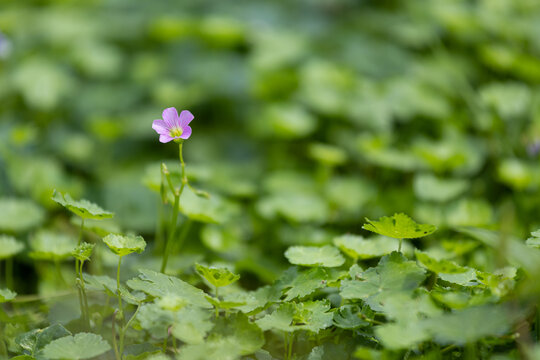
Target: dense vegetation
[(318, 125)]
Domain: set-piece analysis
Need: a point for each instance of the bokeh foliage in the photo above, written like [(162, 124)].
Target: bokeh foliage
[(310, 116)]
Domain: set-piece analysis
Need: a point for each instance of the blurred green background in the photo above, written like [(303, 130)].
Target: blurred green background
[(309, 116)]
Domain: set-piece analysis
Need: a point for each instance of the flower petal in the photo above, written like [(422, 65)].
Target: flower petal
[(160, 126), (186, 132), (164, 138), (185, 118), (170, 115)]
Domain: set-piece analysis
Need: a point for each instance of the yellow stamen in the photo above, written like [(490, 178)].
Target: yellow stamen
[(175, 132)]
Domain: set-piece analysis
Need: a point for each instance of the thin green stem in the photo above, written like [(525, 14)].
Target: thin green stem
[(125, 328), (83, 291), (182, 237), (120, 308), (81, 232), (291, 342), (59, 272), (399, 247), (115, 344), (172, 230), (9, 273)]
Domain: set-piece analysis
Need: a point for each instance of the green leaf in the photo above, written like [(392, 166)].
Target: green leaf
[(123, 245), (80, 346), (289, 317), (83, 251), (192, 324), (394, 274), (7, 295), (402, 335), (9, 246), (357, 247), (216, 276), (159, 285), (155, 320), (471, 324), (431, 188), (306, 283), (399, 226), (18, 215), (82, 208), (438, 266), (101, 227), (238, 330), (35, 340), (349, 317), (48, 245), (327, 256), (108, 284)]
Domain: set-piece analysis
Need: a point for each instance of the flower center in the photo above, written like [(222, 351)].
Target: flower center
[(176, 131)]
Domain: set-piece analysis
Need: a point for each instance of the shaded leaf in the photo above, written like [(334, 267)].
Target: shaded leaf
[(80, 346), (327, 256)]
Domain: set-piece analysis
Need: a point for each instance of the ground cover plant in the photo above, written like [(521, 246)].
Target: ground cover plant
[(308, 180)]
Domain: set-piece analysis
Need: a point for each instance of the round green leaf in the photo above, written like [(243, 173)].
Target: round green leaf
[(83, 251), (399, 226), (80, 346), (49, 245), (124, 245), (7, 295), (83, 208), (9, 246), (18, 215), (216, 276), (327, 256)]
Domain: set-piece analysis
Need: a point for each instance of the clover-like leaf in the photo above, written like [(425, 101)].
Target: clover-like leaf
[(80, 346), (123, 245), (35, 340), (237, 329), (471, 324), (160, 285), (399, 226), (192, 324), (289, 317), (82, 208), (351, 317), (17, 215), (83, 251), (326, 256), (306, 283), (9, 246), (217, 276), (358, 247), (394, 274), (7, 295), (49, 245), (438, 266)]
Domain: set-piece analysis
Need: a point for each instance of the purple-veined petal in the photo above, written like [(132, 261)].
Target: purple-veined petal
[(160, 126), (185, 118), (164, 138), (170, 116), (186, 132)]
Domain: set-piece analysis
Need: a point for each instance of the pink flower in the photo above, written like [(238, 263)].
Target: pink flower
[(173, 127)]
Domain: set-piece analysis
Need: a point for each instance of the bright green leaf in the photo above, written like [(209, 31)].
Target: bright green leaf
[(80, 346), (7, 295), (83, 251), (327, 256), (82, 208), (123, 245), (399, 226), (216, 276), (18, 215), (9, 246)]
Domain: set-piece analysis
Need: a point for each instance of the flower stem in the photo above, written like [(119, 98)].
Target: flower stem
[(83, 291), (172, 230), (399, 247), (120, 310)]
